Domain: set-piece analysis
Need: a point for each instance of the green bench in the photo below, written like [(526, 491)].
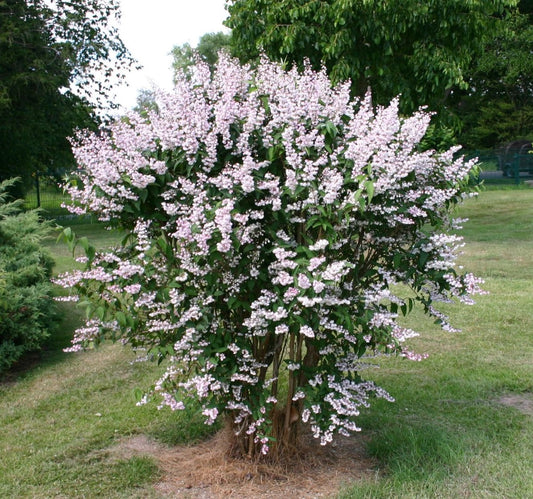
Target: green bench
[(516, 158)]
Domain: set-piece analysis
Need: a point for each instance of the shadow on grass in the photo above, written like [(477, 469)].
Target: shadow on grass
[(416, 451), (187, 427), (51, 353)]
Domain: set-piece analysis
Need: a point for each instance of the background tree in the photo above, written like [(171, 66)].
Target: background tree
[(146, 101), (498, 105), (207, 49), (57, 61), (417, 49)]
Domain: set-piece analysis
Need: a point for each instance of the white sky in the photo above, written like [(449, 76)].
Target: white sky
[(150, 29)]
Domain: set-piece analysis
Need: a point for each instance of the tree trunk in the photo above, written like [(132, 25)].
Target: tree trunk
[(286, 426)]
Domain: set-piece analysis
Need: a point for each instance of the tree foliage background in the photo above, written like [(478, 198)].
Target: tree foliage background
[(497, 106), (207, 50), (468, 61), (58, 63), (417, 49)]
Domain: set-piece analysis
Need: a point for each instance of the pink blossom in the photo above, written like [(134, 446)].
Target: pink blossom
[(252, 238)]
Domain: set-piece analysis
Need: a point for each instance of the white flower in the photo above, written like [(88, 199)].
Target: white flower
[(319, 245), (211, 415), (281, 329), (303, 281), (307, 331)]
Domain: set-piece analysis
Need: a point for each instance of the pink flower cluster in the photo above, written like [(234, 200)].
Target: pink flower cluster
[(270, 218)]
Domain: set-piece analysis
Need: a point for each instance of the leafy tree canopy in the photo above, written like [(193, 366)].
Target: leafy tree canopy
[(498, 105), (58, 63), (145, 102), (207, 50), (417, 49)]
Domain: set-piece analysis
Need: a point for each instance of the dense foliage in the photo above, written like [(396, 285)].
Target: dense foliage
[(26, 304), (58, 63), (497, 107), (210, 44), (417, 49), (276, 232)]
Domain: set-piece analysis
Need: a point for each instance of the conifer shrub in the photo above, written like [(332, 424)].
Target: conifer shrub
[(27, 309)]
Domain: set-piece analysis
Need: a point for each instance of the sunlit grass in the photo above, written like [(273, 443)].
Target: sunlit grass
[(97, 234), (50, 199)]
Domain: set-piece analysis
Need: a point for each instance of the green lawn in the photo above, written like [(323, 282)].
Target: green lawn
[(50, 199), (449, 434)]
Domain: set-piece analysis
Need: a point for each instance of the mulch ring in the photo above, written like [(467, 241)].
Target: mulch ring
[(204, 470)]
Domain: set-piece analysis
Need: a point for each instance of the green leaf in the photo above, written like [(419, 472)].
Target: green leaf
[(89, 311), (369, 186), (90, 253), (84, 243), (121, 318), (100, 312), (397, 260)]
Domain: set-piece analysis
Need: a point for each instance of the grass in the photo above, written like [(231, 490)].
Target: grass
[(449, 434), (488, 164), (97, 234), (50, 199)]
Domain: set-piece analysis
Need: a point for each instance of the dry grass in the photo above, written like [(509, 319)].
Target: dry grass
[(522, 402)]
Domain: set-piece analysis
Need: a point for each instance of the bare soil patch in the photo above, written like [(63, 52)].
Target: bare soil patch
[(523, 402), (205, 470)]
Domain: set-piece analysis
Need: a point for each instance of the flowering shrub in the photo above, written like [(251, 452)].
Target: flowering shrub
[(268, 217)]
